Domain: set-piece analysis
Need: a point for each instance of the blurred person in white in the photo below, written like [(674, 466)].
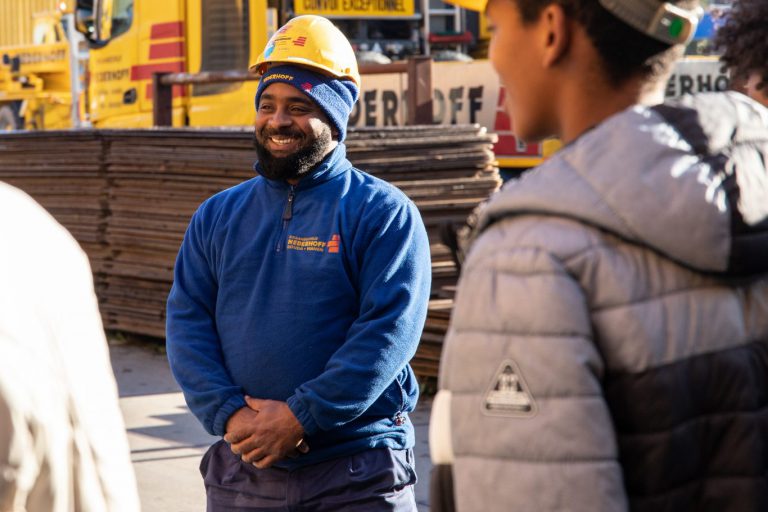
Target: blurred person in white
[(62, 438)]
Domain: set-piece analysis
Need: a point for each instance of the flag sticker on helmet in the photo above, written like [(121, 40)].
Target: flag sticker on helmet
[(508, 395), (300, 41)]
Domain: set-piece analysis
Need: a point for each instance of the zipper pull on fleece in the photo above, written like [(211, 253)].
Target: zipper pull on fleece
[(288, 211)]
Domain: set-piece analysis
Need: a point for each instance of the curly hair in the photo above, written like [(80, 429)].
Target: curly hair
[(743, 39), (625, 51)]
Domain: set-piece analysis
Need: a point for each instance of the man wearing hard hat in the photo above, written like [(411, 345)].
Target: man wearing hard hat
[(608, 349), (299, 298)]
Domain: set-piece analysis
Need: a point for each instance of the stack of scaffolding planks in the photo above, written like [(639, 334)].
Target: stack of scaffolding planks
[(157, 178), (427, 359), (64, 172), (446, 170), (128, 195)]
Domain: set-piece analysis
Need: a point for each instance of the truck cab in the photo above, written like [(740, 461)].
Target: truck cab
[(130, 40)]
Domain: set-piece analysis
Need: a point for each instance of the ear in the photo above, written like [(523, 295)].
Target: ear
[(556, 34)]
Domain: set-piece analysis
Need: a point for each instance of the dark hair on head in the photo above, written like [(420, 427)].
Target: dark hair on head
[(743, 39), (625, 51)]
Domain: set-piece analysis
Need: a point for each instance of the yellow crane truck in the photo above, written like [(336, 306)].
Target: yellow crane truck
[(50, 78), (41, 67)]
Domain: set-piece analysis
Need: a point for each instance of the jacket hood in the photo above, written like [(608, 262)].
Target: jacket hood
[(687, 178)]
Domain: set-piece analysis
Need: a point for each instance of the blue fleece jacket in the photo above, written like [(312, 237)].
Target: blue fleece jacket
[(314, 294)]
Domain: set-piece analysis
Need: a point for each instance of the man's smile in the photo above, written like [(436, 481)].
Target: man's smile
[(283, 143)]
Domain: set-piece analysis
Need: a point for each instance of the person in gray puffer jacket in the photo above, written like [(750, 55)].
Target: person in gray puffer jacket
[(608, 348)]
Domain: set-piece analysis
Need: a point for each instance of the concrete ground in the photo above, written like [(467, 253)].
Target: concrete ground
[(167, 442)]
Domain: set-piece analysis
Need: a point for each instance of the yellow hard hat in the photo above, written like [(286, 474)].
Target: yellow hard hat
[(472, 5), (314, 42)]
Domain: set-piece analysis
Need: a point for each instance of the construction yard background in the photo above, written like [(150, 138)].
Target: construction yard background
[(127, 197)]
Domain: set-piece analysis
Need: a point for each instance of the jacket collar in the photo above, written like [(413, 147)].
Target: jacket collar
[(334, 164)]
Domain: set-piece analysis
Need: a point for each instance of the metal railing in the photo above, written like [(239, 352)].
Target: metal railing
[(418, 99)]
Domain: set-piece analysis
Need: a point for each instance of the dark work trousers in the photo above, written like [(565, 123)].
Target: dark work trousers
[(371, 481)]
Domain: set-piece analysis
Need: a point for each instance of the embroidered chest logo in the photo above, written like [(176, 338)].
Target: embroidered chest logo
[(313, 244), (508, 394)]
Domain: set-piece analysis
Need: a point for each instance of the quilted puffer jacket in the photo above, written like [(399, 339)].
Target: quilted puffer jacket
[(608, 349)]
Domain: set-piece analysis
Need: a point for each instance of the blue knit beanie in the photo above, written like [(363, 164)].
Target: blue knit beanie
[(336, 97)]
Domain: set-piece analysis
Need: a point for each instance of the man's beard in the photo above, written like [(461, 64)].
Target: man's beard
[(297, 164)]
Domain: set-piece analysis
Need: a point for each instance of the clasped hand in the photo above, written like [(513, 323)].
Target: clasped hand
[(264, 432)]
